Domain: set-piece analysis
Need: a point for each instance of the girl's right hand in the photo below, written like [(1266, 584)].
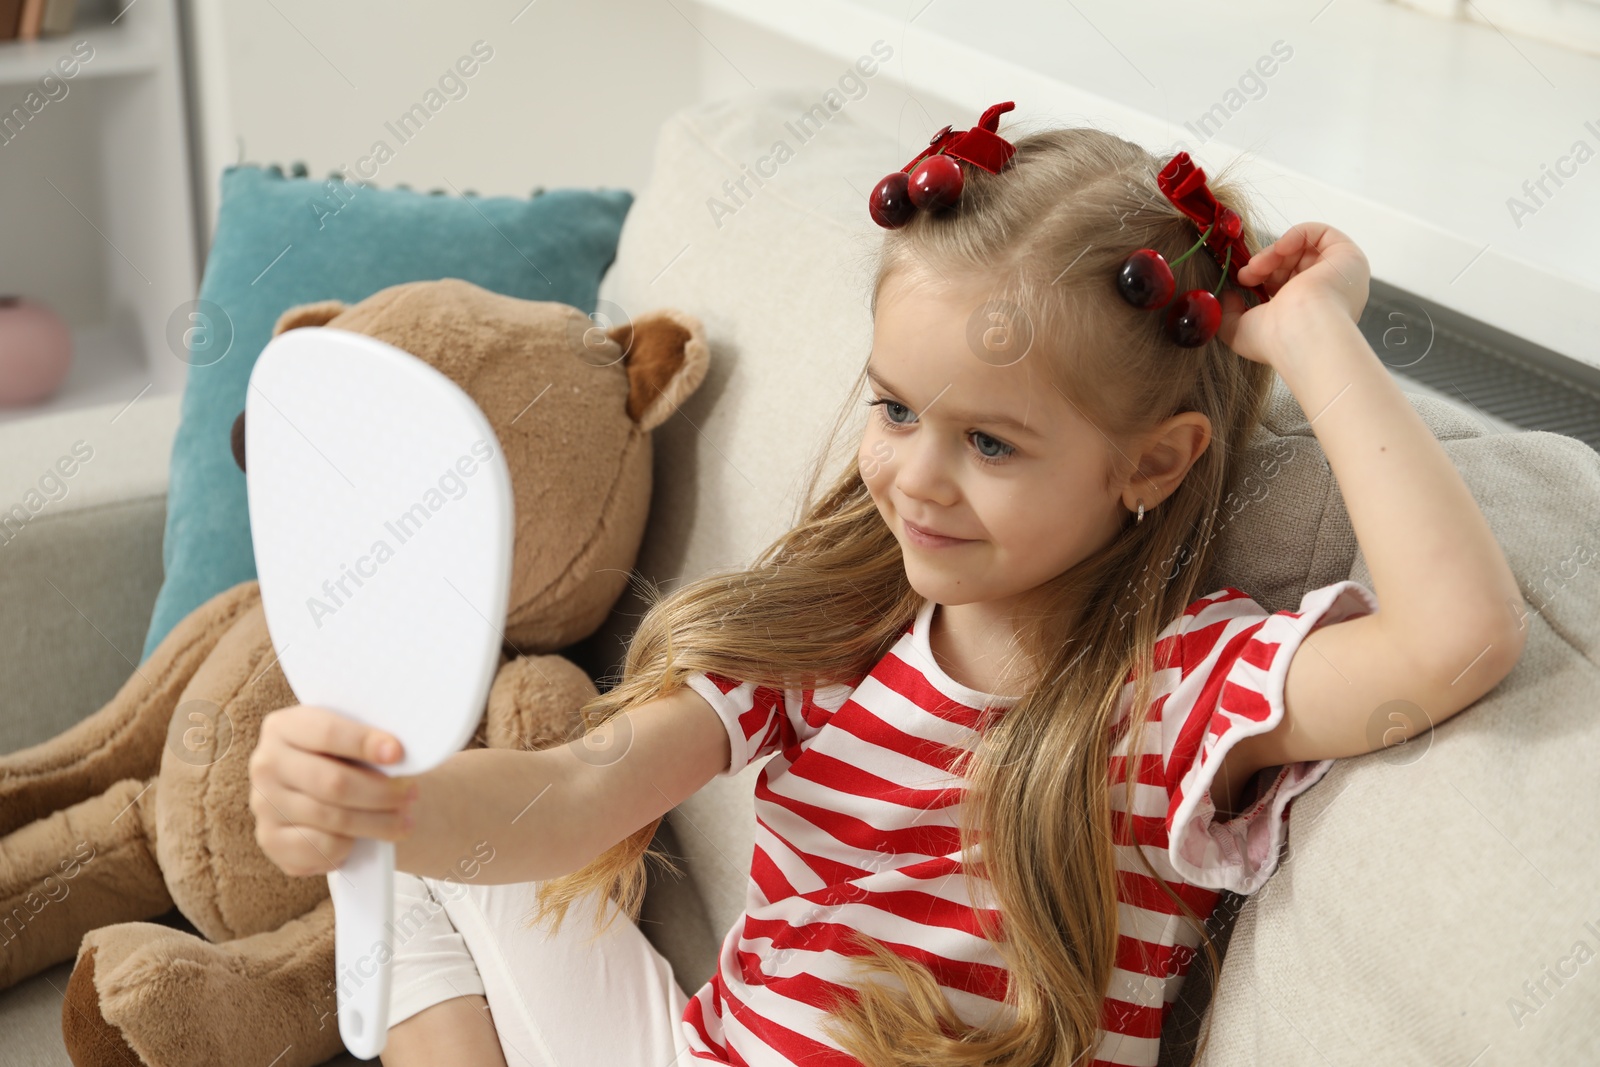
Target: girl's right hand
[(311, 801), (1313, 269)]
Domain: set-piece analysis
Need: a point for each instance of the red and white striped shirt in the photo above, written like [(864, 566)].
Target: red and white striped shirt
[(857, 815)]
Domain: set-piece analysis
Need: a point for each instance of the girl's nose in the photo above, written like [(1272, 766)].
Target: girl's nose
[(922, 472)]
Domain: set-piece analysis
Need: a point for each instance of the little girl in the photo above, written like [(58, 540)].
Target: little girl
[(1014, 743)]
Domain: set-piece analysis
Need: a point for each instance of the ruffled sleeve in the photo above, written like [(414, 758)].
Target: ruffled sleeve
[(759, 719), (1235, 658)]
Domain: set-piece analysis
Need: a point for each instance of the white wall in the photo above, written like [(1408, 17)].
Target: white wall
[(573, 95), (1409, 132), (558, 102)]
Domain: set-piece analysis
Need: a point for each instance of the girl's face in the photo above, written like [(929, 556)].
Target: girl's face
[(981, 449)]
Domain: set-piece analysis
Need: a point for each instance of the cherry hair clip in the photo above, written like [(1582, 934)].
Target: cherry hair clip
[(936, 183), (1146, 281)]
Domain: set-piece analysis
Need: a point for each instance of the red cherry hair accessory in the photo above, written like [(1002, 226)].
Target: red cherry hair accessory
[(933, 180), (1145, 279)]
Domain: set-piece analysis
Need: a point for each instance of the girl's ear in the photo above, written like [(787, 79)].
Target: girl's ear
[(667, 358), (317, 314)]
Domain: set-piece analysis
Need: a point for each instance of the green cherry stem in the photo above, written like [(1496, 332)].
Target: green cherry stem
[(1195, 247), (1227, 259)]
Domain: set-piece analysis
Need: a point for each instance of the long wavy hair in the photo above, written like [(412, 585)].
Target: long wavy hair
[(824, 602)]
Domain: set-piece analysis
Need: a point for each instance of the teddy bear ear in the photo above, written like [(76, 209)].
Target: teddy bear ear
[(317, 314), (667, 358)]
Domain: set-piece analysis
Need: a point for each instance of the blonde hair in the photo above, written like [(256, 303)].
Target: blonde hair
[(828, 599)]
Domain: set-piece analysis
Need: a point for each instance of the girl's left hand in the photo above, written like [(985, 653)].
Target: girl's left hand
[(1311, 267)]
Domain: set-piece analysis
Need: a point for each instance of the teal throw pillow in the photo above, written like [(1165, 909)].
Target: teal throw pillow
[(282, 241)]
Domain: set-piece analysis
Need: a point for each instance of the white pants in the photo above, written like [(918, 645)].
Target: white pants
[(555, 1001)]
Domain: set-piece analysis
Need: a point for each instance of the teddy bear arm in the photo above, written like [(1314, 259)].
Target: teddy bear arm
[(79, 868), (535, 702)]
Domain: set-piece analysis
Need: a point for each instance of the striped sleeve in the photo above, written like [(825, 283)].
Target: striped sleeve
[(1235, 660), (759, 719)]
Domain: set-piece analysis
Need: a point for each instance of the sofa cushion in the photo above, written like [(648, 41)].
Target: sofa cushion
[(1447, 874), (82, 505), (1436, 899), (282, 241)]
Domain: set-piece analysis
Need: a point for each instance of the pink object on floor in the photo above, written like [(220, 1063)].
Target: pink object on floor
[(35, 351)]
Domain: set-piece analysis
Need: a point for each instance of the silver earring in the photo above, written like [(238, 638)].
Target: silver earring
[(1141, 513)]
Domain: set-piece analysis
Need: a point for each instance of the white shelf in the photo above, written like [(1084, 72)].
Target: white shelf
[(106, 368), (96, 199), (118, 50)]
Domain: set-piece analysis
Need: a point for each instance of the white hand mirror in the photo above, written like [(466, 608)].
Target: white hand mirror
[(381, 510)]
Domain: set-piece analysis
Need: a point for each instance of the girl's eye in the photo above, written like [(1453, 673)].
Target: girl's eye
[(890, 408), (987, 449), (886, 404), (1002, 450)]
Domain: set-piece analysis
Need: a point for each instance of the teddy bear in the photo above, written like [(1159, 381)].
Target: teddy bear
[(144, 805)]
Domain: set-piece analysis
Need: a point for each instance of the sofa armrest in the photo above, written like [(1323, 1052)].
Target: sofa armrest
[(82, 513)]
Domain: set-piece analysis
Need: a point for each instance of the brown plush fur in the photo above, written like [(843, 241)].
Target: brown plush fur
[(145, 804)]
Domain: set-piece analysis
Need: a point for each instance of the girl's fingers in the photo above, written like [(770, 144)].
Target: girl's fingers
[(310, 802), (337, 783), (1235, 331), (1232, 309), (310, 813), (1261, 266), (1277, 262), (302, 850), (316, 729)]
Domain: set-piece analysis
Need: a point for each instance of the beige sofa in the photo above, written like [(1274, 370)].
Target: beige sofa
[(1426, 892)]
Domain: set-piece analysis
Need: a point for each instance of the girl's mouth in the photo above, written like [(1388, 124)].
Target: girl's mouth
[(928, 539)]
